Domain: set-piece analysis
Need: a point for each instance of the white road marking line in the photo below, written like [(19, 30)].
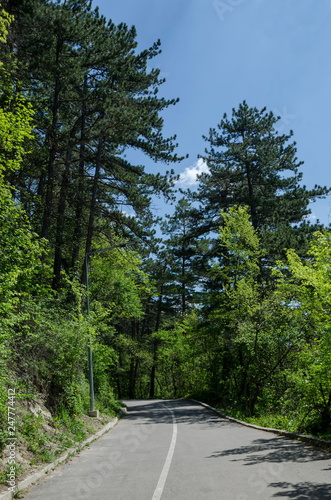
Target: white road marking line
[(163, 477)]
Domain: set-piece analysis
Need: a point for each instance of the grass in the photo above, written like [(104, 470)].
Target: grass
[(293, 423), (40, 441)]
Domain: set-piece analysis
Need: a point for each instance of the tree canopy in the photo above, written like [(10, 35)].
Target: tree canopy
[(226, 299), (251, 164)]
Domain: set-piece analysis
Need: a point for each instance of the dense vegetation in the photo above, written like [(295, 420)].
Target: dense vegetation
[(232, 305)]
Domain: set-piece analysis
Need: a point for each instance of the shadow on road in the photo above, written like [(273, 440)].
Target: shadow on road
[(275, 449), (270, 454), (279, 450), (303, 491), (185, 412)]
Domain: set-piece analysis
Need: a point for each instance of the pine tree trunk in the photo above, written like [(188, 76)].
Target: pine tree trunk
[(252, 203), (183, 283), (53, 147), (157, 326), (93, 204), (60, 222), (80, 199), (153, 372)]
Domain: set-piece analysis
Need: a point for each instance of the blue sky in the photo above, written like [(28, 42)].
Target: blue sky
[(217, 53)]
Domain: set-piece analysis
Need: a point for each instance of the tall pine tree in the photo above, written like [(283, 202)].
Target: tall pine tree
[(94, 99), (251, 164)]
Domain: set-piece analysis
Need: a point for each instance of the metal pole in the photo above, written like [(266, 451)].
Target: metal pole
[(90, 359)]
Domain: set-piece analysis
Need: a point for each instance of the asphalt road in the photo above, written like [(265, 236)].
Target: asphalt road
[(177, 450)]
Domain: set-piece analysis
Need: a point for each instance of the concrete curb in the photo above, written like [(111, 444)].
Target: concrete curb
[(8, 495), (321, 443)]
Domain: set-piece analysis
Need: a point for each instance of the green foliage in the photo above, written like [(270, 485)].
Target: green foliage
[(19, 252), (242, 246), (5, 20), (94, 99), (215, 318), (105, 358), (118, 287), (308, 293), (271, 341), (4, 473), (181, 256), (51, 349), (3, 411), (15, 111), (72, 426), (251, 164), (31, 429), (254, 335), (15, 129), (181, 358), (118, 283), (21, 269)]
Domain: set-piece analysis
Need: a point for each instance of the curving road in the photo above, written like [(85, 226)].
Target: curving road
[(177, 450)]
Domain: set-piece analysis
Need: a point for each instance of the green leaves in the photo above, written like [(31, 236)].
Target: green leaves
[(15, 129), (94, 100), (118, 283), (20, 253), (251, 165), (247, 315), (306, 284), (241, 241), (15, 111)]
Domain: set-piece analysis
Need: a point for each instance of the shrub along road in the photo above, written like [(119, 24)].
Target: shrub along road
[(175, 449)]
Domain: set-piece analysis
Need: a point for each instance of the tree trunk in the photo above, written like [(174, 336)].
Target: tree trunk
[(183, 283), (252, 203), (80, 199), (59, 238), (93, 204), (60, 221), (157, 326), (53, 147), (153, 372)]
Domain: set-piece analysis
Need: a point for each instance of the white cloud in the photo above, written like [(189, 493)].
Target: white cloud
[(311, 218), (128, 214), (189, 176)]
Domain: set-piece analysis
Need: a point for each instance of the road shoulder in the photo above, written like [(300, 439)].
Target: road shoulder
[(43, 469), (314, 441)]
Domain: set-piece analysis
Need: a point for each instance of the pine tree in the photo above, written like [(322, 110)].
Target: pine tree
[(251, 164), (94, 99), (185, 255)]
